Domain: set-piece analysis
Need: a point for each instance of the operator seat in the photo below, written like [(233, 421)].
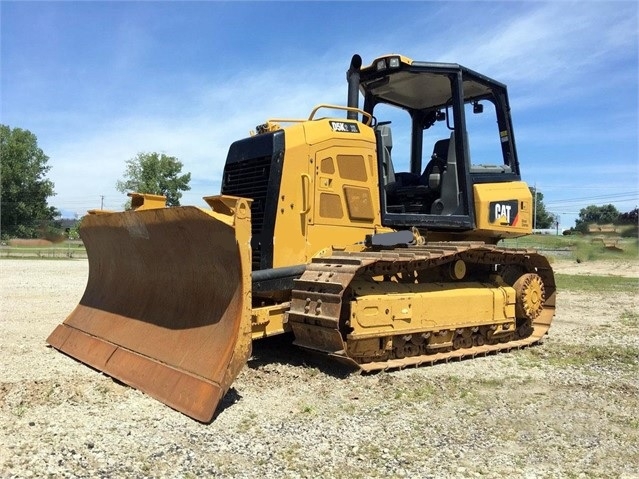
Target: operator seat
[(440, 150), (387, 146), (432, 174), (448, 201)]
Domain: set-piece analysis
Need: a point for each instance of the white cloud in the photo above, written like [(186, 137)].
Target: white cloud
[(198, 133), (547, 50), (547, 53)]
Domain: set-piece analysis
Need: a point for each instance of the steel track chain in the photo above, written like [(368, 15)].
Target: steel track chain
[(318, 303)]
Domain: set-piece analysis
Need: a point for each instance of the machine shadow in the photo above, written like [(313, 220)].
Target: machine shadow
[(281, 350)]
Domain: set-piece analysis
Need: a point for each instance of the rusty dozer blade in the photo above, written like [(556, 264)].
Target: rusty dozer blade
[(167, 306)]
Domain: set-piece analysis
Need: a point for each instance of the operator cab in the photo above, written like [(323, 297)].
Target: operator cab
[(441, 128)]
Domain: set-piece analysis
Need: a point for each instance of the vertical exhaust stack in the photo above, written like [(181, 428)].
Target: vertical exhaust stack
[(352, 76)]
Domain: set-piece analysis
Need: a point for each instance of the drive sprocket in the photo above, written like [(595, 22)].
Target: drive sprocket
[(530, 296)]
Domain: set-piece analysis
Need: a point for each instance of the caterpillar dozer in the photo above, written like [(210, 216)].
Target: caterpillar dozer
[(377, 254)]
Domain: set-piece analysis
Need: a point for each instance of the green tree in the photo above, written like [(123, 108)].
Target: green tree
[(157, 174), (24, 186), (596, 214), (630, 217), (542, 218), (74, 230)]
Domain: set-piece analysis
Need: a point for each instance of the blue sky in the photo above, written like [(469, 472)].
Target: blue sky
[(98, 82)]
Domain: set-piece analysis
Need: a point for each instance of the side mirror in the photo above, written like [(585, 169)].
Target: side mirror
[(478, 107)]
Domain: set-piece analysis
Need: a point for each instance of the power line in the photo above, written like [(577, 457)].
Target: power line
[(575, 204), (607, 196)]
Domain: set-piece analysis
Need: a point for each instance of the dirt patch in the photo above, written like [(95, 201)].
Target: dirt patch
[(29, 242), (567, 408), (598, 268)]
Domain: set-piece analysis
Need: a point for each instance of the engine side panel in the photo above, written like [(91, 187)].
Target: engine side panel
[(329, 190)]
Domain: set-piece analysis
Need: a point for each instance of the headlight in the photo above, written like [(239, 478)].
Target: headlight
[(393, 62)]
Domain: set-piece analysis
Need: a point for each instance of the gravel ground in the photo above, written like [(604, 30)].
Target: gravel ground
[(568, 408)]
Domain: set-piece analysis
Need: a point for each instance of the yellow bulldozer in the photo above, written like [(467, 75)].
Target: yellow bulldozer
[(379, 256)]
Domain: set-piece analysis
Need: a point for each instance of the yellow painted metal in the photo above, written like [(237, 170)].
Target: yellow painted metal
[(294, 201), (388, 308), (329, 193), (531, 295), (269, 320), (457, 270), (503, 209), (145, 201)]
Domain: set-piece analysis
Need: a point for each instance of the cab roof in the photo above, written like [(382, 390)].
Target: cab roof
[(399, 80)]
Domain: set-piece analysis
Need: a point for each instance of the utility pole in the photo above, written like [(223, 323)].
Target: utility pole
[(101, 202), (535, 209)]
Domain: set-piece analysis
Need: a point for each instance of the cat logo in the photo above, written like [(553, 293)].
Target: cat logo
[(505, 213)]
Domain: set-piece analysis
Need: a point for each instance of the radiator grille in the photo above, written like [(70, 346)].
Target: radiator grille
[(249, 179)]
